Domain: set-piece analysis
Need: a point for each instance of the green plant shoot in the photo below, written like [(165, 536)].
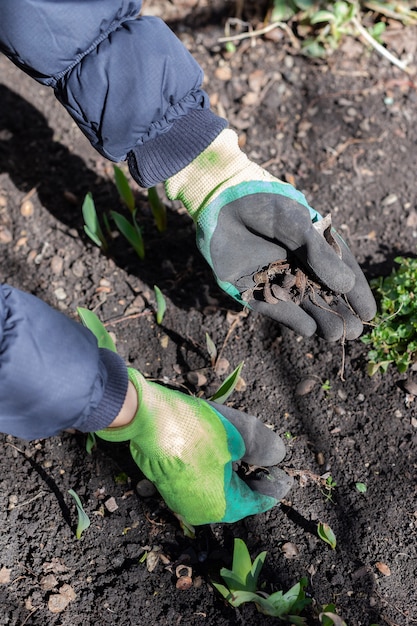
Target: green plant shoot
[(393, 340), (90, 442), (83, 519), (361, 487), (158, 209), (329, 617), (92, 226), (241, 584), (131, 232), (160, 304), (228, 386), (211, 349), (91, 321), (123, 187), (326, 534)]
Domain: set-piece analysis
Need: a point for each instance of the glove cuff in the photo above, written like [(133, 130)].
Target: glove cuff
[(222, 164), (128, 432)]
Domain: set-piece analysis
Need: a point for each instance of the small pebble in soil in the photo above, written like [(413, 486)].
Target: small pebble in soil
[(145, 488), (111, 505)]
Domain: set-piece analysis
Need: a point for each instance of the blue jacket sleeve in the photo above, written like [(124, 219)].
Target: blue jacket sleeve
[(52, 374), (128, 82)]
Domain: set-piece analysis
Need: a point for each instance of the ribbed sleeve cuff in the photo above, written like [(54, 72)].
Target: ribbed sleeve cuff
[(158, 159), (114, 393)]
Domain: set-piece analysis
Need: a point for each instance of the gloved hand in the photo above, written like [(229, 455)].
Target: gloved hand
[(247, 219), (185, 446)]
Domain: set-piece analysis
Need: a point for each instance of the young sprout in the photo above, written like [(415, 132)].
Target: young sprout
[(123, 187), (90, 442), (361, 487), (83, 519), (91, 223), (211, 349), (160, 304), (241, 585), (228, 386), (158, 209), (131, 231), (326, 534), (91, 321)]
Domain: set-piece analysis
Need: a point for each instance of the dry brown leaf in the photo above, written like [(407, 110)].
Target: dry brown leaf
[(383, 568), (4, 575)]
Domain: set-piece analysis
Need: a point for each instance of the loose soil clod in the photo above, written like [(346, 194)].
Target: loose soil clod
[(284, 280)]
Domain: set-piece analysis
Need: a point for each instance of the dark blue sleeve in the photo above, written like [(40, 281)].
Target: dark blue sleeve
[(52, 374), (128, 81)]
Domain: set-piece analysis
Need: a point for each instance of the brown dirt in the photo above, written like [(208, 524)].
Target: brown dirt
[(345, 132)]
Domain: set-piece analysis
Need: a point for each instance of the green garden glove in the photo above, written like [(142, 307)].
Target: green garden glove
[(247, 219), (185, 446)]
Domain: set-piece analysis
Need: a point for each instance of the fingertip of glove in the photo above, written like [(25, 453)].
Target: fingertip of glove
[(274, 483)]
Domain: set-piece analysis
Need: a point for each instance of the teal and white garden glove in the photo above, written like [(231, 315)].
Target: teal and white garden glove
[(186, 446), (247, 219)]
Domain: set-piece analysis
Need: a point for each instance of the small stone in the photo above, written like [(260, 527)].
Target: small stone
[(290, 550), (68, 592), (305, 386), (223, 73), (26, 208), (390, 199), (58, 603), (197, 379), (145, 488), (78, 269), (111, 505), (5, 235), (222, 366), (60, 293), (57, 264), (250, 99), (48, 582)]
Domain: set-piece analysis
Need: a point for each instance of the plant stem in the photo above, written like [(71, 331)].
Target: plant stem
[(377, 46)]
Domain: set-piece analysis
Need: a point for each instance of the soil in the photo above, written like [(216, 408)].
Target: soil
[(344, 131)]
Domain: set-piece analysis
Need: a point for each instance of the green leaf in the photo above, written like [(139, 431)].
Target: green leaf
[(329, 617), (91, 223), (313, 48), (232, 580), (242, 563), (83, 519), (131, 232), (228, 386), (91, 321), (257, 566), (211, 348), (224, 591), (322, 16), (158, 209), (160, 304), (283, 10), (361, 487), (123, 187), (326, 534), (90, 442), (239, 597)]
